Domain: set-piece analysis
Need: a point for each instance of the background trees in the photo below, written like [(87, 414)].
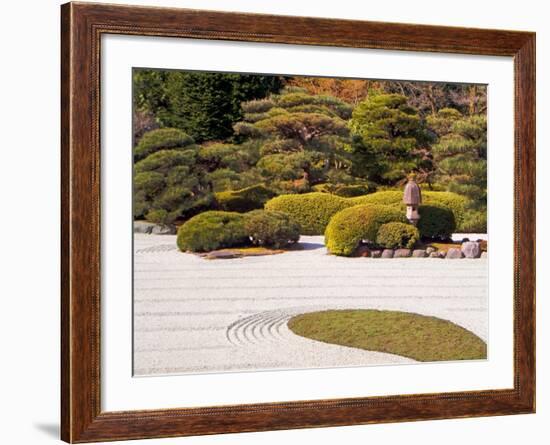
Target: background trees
[(210, 140)]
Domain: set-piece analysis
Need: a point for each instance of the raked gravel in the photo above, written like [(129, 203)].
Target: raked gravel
[(193, 315)]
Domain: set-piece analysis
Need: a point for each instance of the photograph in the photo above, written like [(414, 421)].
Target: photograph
[(285, 222)]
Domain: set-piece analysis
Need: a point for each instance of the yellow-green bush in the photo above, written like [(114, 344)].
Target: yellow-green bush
[(212, 230), (161, 139), (244, 200), (312, 211), (352, 225), (395, 235), (271, 229)]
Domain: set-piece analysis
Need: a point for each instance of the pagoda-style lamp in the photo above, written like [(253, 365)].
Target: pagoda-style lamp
[(412, 199)]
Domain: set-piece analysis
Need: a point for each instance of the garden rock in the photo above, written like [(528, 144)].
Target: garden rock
[(419, 253), (376, 253), (437, 255), (163, 230), (363, 251), (430, 250), (471, 249), (143, 227), (454, 254), (223, 255), (402, 253), (387, 253)]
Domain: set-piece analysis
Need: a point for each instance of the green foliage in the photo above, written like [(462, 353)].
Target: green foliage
[(395, 235), (390, 139), (204, 105), (212, 230), (352, 225), (244, 200), (271, 229), (169, 184), (436, 222), (475, 221), (312, 211), (161, 139)]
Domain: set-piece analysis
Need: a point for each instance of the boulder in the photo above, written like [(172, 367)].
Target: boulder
[(419, 253), (430, 250), (223, 255), (163, 230), (387, 253), (363, 251), (437, 255), (471, 249), (143, 227), (402, 253), (454, 254), (376, 253)]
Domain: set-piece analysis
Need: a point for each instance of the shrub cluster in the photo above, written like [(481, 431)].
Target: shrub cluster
[(350, 226), (271, 229), (396, 235), (436, 222), (212, 230), (312, 211), (163, 138), (244, 200), (474, 222)]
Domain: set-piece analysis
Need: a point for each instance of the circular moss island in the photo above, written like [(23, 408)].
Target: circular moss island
[(418, 337)]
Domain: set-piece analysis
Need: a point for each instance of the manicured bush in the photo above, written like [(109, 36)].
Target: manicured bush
[(436, 222), (312, 211), (244, 200), (456, 203), (350, 226), (271, 229), (474, 222), (212, 230), (349, 191), (395, 235), (163, 138)]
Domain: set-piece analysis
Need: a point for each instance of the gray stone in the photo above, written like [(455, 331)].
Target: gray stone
[(376, 253), (419, 253), (223, 254), (483, 255), (430, 250), (437, 255), (454, 254), (402, 253), (143, 227), (471, 249), (387, 253), (163, 230)]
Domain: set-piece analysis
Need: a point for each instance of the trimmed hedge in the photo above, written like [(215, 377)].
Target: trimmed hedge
[(271, 229), (312, 211), (212, 230), (436, 222), (162, 138), (475, 221), (350, 226), (456, 203), (244, 200), (396, 235)]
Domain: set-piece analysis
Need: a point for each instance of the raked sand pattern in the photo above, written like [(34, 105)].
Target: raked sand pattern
[(193, 315)]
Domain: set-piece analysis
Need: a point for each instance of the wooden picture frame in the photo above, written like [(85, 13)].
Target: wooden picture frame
[(83, 24)]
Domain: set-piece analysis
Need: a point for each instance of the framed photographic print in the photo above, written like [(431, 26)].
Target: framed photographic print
[(274, 222)]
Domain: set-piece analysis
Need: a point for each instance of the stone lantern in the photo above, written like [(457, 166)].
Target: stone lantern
[(412, 199)]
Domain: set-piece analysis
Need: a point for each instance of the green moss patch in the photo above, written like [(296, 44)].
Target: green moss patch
[(418, 337)]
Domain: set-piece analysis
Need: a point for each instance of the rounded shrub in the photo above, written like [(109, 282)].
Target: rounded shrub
[(350, 226), (312, 211), (271, 229), (396, 235), (436, 222), (212, 230), (349, 191), (244, 200), (163, 138), (475, 221)]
